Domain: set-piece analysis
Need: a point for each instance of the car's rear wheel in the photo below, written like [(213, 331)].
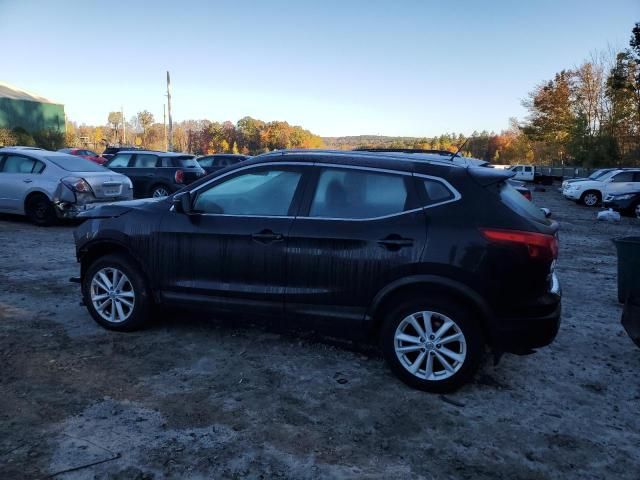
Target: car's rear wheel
[(116, 294), (590, 198), (40, 210), (159, 191), (432, 344)]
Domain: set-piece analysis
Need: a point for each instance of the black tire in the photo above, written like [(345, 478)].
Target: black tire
[(158, 187), (40, 210), (142, 302), (465, 321), (587, 198)]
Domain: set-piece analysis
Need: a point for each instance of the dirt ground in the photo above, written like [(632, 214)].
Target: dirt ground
[(195, 397)]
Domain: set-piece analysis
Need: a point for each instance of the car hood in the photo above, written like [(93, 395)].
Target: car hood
[(588, 184), (115, 209)]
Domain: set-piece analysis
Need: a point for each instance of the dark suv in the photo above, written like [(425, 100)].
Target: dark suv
[(433, 259), (156, 174)]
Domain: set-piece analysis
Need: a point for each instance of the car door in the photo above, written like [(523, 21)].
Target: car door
[(17, 174), (358, 229), (621, 182), (229, 254)]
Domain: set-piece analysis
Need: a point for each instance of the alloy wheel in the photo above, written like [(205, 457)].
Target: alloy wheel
[(160, 192), (590, 199), (112, 295), (430, 345)]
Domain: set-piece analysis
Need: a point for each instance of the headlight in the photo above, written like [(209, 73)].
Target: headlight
[(77, 184)]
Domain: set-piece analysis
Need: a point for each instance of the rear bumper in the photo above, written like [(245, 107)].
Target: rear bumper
[(524, 333)]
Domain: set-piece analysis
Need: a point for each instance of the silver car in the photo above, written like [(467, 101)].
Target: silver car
[(48, 185)]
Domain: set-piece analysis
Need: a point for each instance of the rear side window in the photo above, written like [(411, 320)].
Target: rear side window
[(145, 161), (19, 164), (516, 202), (120, 161), (355, 194), (205, 162)]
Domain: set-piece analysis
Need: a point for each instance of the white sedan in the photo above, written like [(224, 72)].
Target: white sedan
[(46, 185)]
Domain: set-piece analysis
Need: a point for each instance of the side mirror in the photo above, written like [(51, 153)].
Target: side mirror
[(182, 203)]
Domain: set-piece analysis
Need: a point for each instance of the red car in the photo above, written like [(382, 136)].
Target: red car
[(88, 154)]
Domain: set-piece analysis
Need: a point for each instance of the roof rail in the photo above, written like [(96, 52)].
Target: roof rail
[(403, 150)]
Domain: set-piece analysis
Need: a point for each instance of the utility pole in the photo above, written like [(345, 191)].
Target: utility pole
[(164, 123), (124, 126), (169, 112)]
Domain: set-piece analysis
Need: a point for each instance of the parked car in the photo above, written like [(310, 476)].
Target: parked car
[(627, 203), (594, 176), (48, 185), (433, 259), (110, 152), (591, 192), (88, 154), (218, 161), (156, 174)]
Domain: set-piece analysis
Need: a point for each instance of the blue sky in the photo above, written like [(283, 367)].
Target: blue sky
[(415, 68)]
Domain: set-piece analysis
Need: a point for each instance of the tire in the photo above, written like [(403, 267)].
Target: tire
[(159, 191), (40, 210), (101, 295), (469, 350), (591, 198)]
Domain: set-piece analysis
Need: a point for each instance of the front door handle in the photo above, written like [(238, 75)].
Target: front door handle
[(27, 180), (395, 242), (267, 236)]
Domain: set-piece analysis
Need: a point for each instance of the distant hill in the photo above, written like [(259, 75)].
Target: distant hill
[(351, 142)]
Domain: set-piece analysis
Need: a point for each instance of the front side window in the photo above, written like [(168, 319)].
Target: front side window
[(358, 194), (260, 193), (623, 177), (120, 161), (145, 161)]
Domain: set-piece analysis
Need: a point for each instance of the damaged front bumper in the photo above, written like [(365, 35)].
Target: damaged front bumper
[(68, 203)]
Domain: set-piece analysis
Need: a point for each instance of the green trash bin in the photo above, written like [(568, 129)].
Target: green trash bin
[(628, 267)]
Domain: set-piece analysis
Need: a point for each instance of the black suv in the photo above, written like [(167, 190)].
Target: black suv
[(433, 259), (156, 174)]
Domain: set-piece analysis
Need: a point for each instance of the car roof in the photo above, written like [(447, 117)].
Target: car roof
[(224, 155), (158, 152), (40, 154)]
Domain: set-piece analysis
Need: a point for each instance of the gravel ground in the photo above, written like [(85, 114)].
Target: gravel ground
[(204, 398)]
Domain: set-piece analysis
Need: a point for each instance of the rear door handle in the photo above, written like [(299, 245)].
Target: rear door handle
[(267, 236), (27, 180), (395, 242)]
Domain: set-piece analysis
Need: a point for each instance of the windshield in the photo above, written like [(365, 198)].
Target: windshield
[(597, 174), (71, 163), (607, 175)]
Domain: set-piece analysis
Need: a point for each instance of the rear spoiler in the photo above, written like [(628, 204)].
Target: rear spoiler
[(488, 176)]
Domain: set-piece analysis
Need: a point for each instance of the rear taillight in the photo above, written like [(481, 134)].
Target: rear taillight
[(527, 195), (179, 177), (539, 245), (77, 184)]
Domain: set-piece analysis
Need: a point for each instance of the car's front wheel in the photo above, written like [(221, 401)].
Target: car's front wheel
[(433, 344), (590, 198), (159, 191), (116, 294)]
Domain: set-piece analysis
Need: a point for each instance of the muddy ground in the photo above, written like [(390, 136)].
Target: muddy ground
[(195, 397)]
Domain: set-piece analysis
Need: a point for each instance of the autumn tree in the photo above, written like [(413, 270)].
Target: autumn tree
[(145, 120), (114, 120)]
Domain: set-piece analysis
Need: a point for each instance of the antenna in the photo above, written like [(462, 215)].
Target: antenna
[(459, 148), (169, 112)]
